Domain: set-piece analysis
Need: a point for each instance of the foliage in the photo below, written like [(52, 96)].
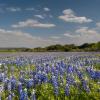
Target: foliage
[(58, 48)]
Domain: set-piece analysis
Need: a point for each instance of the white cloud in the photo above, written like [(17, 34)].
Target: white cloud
[(33, 23), (16, 33), (71, 35), (14, 38), (78, 36), (11, 38), (69, 16), (46, 9), (13, 9), (98, 24), (81, 35), (87, 35), (39, 16), (86, 30)]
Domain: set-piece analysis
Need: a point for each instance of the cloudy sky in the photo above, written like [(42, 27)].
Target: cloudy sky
[(33, 23)]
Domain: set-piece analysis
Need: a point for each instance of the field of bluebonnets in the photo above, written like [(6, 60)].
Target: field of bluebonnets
[(50, 76)]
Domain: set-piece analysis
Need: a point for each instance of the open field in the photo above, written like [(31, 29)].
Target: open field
[(50, 76)]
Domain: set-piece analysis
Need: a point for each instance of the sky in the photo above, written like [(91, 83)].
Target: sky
[(34, 23)]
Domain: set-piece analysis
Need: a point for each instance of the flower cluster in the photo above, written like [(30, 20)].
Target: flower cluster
[(22, 75)]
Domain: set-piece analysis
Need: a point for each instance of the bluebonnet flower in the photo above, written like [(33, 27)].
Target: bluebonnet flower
[(13, 83), (25, 94), (19, 86), (9, 86), (80, 75), (97, 74), (67, 90), (1, 78), (93, 74), (55, 84), (1, 88), (21, 79), (85, 86), (70, 80), (21, 97), (9, 97), (29, 83), (69, 69)]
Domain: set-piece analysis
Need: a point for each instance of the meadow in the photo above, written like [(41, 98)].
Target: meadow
[(50, 76)]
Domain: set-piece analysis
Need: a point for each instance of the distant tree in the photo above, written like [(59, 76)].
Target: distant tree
[(57, 47)]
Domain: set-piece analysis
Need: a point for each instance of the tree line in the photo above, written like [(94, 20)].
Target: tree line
[(57, 48)]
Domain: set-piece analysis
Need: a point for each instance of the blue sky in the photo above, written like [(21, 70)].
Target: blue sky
[(32, 23)]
